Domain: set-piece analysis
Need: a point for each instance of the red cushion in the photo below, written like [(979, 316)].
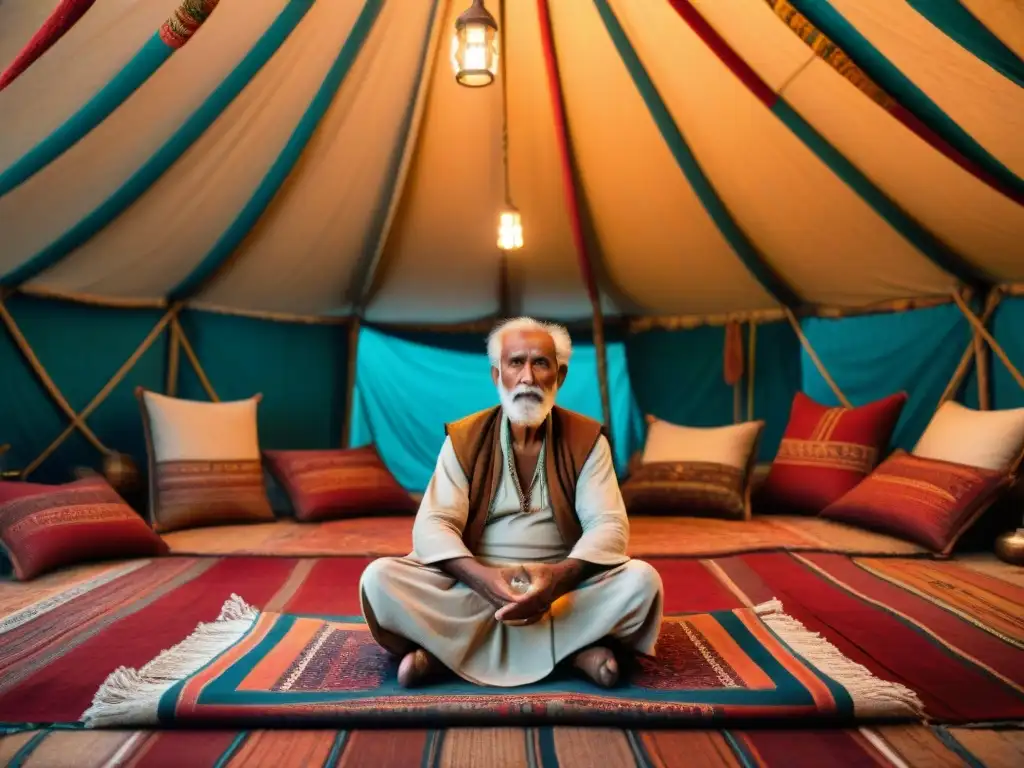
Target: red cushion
[(825, 452), (46, 527), (325, 485), (927, 501)]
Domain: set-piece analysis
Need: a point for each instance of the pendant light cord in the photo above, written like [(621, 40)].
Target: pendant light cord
[(502, 55)]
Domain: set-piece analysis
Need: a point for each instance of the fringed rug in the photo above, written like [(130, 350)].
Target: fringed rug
[(249, 668)]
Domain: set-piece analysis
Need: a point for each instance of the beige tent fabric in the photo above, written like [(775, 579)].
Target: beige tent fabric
[(983, 102), (545, 277), (441, 260), (76, 183), (660, 248), (812, 227), (73, 70), (157, 242), (980, 223), (1004, 19), (323, 217), (19, 21)]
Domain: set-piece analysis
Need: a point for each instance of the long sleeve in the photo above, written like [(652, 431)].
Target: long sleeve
[(443, 512), (601, 511)]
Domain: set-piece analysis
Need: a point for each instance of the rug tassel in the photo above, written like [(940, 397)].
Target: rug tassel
[(132, 696), (871, 695)]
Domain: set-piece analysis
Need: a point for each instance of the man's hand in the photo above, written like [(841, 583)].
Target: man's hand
[(492, 584)]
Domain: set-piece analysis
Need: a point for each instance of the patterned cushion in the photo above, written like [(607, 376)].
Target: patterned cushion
[(46, 527), (693, 471), (204, 462), (325, 485), (825, 452), (926, 501)]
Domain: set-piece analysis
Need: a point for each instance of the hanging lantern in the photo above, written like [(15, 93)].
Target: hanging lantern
[(510, 230), (475, 47)]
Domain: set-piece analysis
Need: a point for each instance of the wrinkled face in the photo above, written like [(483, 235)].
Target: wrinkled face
[(529, 376)]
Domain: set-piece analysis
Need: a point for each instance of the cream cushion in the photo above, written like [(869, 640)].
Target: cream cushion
[(989, 439), (731, 445), (193, 430)]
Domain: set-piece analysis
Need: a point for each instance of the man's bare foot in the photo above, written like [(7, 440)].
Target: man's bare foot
[(599, 664), (415, 667)]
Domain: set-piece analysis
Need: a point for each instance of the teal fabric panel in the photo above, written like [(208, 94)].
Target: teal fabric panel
[(834, 25), (81, 347), (300, 369), (874, 356), (168, 154), (285, 161), (143, 64), (959, 24), (777, 379), (702, 186), (929, 245), (1008, 329), (679, 376), (407, 389)]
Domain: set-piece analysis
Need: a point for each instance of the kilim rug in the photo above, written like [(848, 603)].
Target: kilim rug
[(261, 668)]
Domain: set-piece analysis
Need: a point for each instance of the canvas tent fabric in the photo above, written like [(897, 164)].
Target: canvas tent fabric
[(305, 198)]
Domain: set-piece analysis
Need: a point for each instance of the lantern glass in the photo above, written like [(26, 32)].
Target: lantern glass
[(510, 230), (475, 54)]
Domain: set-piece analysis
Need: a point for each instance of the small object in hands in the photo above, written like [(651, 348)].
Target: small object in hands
[(520, 583), (1010, 547)]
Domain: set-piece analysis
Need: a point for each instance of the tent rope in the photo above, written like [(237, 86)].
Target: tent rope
[(980, 328), (969, 353), (48, 384), (751, 357), (193, 358), (806, 344), (79, 420)]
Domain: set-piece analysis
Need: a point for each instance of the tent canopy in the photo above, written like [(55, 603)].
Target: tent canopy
[(677, 163)]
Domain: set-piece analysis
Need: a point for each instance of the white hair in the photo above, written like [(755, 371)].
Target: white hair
[(559, 335)]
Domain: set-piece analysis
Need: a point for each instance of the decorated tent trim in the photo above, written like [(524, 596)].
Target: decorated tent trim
[(829, 20), (166, 155), (170, 37)]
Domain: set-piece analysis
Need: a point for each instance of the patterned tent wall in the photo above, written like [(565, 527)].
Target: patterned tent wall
[(297, 163)]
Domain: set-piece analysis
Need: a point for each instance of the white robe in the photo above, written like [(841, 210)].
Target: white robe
[(408, 602)]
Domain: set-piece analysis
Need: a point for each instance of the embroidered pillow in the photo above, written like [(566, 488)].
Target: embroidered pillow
[(926, 501), (204, 462), (330, 484), (693, 471), (825, 452), (47, 527), (962, 435)]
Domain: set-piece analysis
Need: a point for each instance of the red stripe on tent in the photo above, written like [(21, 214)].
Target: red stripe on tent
[(562, 132), (724, 51), (140, 637), (63, 18)]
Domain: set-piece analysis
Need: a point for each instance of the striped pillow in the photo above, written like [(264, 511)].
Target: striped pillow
[(343, 482)]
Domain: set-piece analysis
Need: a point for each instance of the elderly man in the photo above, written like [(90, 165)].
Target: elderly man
[(507, 579)]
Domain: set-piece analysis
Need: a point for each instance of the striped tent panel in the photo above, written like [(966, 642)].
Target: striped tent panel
[(1004, 20)]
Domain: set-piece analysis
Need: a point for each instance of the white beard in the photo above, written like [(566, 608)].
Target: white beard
[(526, 411)]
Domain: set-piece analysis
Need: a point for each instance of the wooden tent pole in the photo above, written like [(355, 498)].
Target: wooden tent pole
[(48, 384), (969, 353), (173, 359), (806, 344), (102, 395), (193, 358), (988, 337)]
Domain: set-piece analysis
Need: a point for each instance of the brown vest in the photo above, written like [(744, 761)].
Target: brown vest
[(570, 438)]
